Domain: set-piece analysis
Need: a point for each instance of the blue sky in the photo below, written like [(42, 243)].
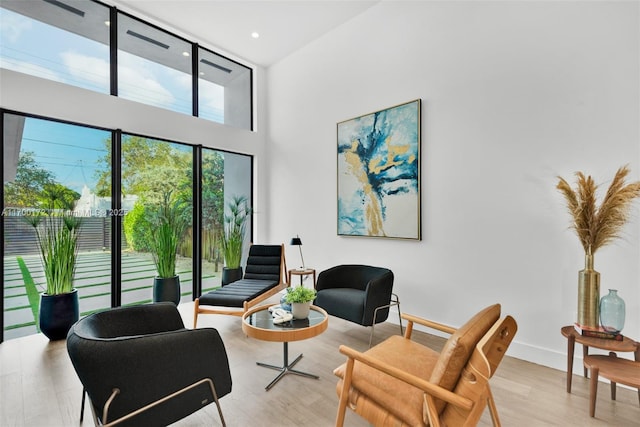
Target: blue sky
[(69, 151), (39, 49)]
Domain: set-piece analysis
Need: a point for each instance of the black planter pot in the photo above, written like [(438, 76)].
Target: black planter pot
[(166, 289), (58, 313), (230, 275)]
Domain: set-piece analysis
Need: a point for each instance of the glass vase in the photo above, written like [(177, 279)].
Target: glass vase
[(612, 311)]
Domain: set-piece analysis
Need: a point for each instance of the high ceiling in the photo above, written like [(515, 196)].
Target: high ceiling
[(283, 26)]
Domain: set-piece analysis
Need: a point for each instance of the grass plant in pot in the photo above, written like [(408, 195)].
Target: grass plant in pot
[(57, 233), (300, 299), (169, 221), (235, 224)]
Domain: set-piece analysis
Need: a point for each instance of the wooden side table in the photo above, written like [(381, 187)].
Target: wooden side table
[(302, 273), (573, 336), (623, 371)]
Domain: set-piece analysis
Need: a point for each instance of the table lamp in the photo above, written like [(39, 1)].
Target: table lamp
[(296, 241)]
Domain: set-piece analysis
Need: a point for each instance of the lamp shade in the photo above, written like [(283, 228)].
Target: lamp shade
[(295, 241)]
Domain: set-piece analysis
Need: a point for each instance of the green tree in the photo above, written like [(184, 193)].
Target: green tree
[(139, 156), (25, 190), (212, 205), (57, 196)]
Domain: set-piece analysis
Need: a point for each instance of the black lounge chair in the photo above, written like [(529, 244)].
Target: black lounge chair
[(361, 294), (264, 277), (140, 366)]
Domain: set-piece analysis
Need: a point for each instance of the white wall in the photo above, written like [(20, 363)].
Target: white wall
[(513, 95)]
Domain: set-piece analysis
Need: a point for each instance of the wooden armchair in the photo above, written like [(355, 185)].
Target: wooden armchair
[(401, 382)]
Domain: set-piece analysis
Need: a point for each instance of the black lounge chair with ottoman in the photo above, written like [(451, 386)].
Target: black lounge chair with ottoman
[(140, 366), (263, 277)]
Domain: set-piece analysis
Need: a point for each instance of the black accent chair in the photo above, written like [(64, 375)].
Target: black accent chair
[(141, 367), (263, 277), (358, 293)]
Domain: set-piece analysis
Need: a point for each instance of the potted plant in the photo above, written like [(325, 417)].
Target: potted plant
[(232, 238), (596, 226), (168, 223), (57, 233), (300, 299)]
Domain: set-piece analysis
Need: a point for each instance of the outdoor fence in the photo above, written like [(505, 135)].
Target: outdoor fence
[(20, 237)]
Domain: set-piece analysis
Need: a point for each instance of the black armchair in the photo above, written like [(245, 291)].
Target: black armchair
[(140, 365), (358, 293)]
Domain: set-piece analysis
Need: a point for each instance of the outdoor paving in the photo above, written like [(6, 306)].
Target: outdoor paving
[(93, 281)]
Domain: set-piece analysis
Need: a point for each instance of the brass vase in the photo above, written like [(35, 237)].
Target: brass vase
[(588, 293)]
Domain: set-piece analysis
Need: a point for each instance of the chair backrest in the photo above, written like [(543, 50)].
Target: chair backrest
[(458, 349), (265, 262), (475, 377), (129, 321), (355, 276)]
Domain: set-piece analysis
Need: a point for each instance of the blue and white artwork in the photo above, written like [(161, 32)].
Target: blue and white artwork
[(379, 173)]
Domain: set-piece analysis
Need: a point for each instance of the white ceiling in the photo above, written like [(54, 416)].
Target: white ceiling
[(284, 26)]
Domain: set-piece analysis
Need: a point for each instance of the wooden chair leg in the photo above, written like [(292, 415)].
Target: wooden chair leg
[(593, 390), (344, 394), (432, 413), (195, 312), (493, 410)]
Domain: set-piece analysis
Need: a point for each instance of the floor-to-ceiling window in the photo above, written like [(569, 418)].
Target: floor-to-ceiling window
[(50, 167), (156, 180), (225, 176), (73, 164), (89, 44)]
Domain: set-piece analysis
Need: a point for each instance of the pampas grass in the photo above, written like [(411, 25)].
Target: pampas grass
[(599, 226)]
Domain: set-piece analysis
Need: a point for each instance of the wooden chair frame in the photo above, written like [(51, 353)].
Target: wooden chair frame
[(202, 309), (472, 393)]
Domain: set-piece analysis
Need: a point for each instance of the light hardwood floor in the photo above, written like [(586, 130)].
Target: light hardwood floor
[(38, 386)]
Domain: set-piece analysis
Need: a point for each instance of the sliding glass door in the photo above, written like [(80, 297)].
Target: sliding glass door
[(224, 176), (156, 178), (50, 167)]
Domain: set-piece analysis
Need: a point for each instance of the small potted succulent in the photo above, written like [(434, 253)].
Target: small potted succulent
[(300, 299)]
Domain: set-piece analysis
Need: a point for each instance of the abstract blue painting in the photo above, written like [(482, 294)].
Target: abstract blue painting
[(379, 173)]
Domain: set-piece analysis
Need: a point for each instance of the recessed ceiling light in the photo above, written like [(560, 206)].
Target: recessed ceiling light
[(185, 53), (107, 23), (255, 35)]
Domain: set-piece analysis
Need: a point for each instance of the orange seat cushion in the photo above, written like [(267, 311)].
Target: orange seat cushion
[(378, 394), (395, 396)]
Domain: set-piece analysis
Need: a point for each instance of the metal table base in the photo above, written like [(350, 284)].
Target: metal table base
[(286, 368)]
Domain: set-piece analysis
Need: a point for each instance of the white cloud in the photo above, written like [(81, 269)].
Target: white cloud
[(87, 68), (139, 83), (13, 25)]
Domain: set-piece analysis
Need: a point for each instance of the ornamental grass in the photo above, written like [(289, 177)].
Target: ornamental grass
[(597, 226), (57, 236)]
